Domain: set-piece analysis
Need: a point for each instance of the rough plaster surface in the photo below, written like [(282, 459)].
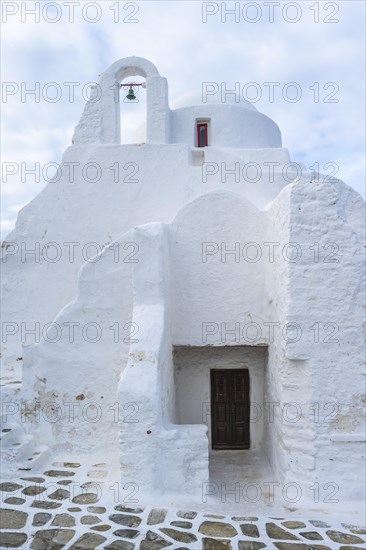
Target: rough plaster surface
[(169, 209)]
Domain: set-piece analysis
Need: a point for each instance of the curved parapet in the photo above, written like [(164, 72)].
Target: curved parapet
[(70, 377)]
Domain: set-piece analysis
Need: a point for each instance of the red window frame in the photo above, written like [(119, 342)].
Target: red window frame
[(201, 143)]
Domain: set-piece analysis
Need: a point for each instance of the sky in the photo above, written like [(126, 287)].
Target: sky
[(312, 52)]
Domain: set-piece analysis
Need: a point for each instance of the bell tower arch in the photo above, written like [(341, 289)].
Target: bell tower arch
[(100, 121)]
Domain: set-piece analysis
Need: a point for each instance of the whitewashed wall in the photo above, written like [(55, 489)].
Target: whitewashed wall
[(171, 186)]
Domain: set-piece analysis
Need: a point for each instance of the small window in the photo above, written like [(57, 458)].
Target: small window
[(202, 134)]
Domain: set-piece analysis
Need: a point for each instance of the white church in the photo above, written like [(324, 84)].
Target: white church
[(195, 300)]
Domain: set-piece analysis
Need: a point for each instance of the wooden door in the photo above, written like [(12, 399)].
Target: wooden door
[(230, 409)]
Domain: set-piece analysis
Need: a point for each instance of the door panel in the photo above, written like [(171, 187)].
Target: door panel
[(230, 409)]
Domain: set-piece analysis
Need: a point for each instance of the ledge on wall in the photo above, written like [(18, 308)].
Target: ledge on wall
[(348, 438)]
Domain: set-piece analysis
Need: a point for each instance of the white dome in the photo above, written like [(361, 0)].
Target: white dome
[(195, 98)]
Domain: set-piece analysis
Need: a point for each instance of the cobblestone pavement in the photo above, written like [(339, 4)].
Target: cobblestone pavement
[(59, 509)]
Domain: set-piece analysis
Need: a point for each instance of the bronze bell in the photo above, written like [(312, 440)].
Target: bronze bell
[(131, 96)]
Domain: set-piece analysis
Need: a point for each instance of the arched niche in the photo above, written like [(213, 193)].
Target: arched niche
[(100, 122)]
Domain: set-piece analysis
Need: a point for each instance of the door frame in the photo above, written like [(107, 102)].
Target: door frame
[(246, 373)]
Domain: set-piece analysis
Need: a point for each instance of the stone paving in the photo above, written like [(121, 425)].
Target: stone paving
[(52, 511)]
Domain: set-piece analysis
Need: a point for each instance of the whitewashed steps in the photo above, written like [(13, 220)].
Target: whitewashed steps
[(20, 451)]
